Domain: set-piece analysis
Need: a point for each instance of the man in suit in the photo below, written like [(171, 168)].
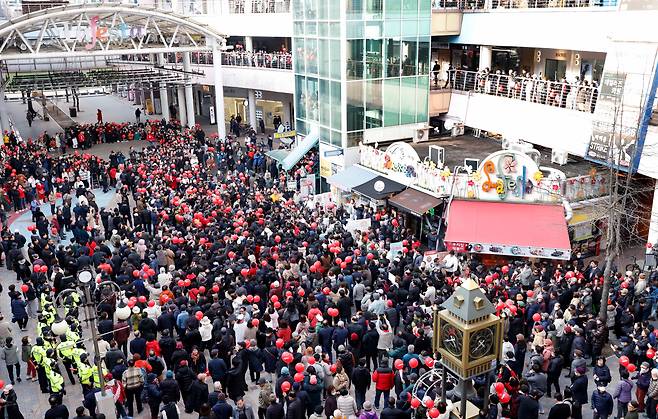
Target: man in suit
[(593, 270)]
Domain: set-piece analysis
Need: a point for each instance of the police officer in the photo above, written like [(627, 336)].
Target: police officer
[(66, 354), (55, 380), (85, 372), (39, 356)]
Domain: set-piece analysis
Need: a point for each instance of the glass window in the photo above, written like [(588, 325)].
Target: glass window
[(300, 89), (325, 135), (354, 9), (424, 27), (355, 59), (354, 138), (393, 9), (311, 56), (335, 106), (298, 28), (374, 104), (311, 9), (334, 9), (374, 29), (409, 57), (409, 27), (393, 58), (392, 28), (422, 96), (425, 8), (323, 57), (311, 29), (325, 103), (355, 29), (423, 56), (323, 11), (355, 110), (299, 60), (336, 138), (335, 59), (373, 58), (311, 98), (409, 8), (391, 102), (323, 29), (298, 9), (374, 9), (408, 100), (334, 30), (301, 127)]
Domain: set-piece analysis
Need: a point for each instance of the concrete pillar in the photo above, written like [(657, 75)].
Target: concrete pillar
[(249, 44), (286, 117), (219, 92), (485, 57), (164, 95), (189, 95), (152, 96), (251, 98), (181, 106)]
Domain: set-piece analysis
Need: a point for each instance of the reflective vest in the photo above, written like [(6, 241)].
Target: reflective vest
[(96, 378), (65, 349), (56, 381), (71, 336), (39, 355), (76, 355), (85, 372)]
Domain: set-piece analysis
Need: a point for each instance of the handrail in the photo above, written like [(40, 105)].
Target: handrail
[(276, 60), (578, 96)]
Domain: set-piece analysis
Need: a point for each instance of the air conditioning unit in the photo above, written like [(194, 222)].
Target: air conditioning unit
[(455, 127), (559, 157), (421, 134), (521, 147), (438, 155), (472, 164)]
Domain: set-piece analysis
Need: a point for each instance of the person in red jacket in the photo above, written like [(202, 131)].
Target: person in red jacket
[(384, 380)]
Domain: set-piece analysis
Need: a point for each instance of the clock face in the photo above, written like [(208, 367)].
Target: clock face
[(481, 343), (452, 339)]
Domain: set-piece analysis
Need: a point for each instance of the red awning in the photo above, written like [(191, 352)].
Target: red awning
[(525, 230)]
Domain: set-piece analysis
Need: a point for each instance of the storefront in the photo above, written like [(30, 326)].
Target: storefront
[(419, 209), (377, 190), (586, 227)]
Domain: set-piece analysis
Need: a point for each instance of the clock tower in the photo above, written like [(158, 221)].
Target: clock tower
[(467, 334)]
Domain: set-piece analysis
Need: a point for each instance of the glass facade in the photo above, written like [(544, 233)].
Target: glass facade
[(384, 72)]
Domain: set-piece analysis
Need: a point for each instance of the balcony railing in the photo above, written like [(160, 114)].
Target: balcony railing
[(258, 6), (280, 61), (581, 97), (14, 8), (486, 5)]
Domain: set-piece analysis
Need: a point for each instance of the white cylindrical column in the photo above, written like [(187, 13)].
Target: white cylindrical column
[(219, 92), (181, 105), (164, 97), (251, 99), (189, 95), (485, 57), (286, 118), (249, 44), (653, 224)]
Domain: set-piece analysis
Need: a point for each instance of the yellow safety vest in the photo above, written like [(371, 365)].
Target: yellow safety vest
[(56, 382), (72, 336), (96, 378), (65, 349), (85, 372), (38, 354), (76, 355)]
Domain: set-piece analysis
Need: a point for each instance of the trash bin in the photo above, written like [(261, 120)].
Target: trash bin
[(73, 112)]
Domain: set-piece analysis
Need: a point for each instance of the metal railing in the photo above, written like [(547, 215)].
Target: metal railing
[(14, 8), (258, 6), (484, 5), (581, 97), (281, 61)]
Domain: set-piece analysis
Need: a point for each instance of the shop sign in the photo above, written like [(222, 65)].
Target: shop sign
[(581, 188), (285, 134), (505, 175), (507, 250), (325, 168)]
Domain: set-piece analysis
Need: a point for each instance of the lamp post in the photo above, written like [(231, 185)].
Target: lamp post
[(85, 277)]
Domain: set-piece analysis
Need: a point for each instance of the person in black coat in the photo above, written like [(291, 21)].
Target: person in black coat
[(275, 409), (167, 347), (391, 411), (579, 391), (169, 387), (295, 407), (138, 345), (184, 377), (197, 394), (529, 405), (154, 395), (361, 380), (235, 381), (217, 368), (370, 340)]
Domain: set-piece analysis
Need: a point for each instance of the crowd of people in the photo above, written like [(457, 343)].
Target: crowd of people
[(211, 266)]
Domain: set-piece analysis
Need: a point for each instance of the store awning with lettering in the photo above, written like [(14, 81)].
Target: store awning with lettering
[(512, 229), (351, 177), (414, 201), (379, 188)]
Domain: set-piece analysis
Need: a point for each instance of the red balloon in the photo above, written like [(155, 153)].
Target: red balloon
[(274, 298), (343, 265), (247, 343), (198, 315), (651, 353), (301, 292), (141, 299), (505, 269), (429, 403), (338, 261), (531, 293), (285, 386), (370, 256), (288, 294), (500, 387), (413, 362), (181, 283), (299, 367), (202, 289), (250, 298), (187, 282), (131, 304), (631, 367), (536, 317), (44, 269), (215, 288), (415, 403), (279, 343), (429, 362), (311, 360), (326, 290), (255, 322), (2, 384), (434, 413), (624, 361), (231, 255), (299, 377), (277, 305), (256, 298), (277, 239), (25, 288), (151, 303), (244, 272), (505, 398), (398, 364), (287, 357), (332, 368)]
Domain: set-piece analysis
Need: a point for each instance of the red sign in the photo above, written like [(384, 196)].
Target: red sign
[(459, 247)]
